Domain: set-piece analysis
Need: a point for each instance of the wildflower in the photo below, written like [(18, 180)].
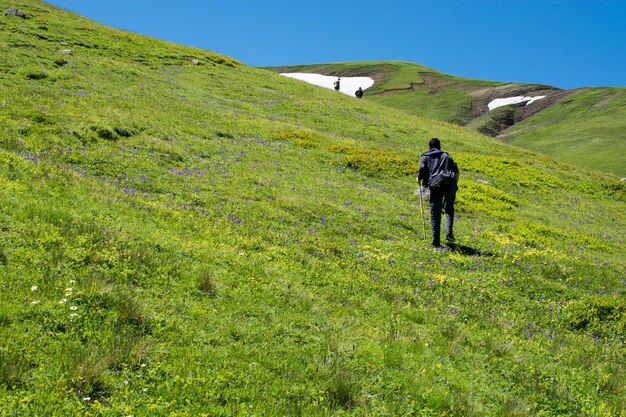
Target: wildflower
[(34, 288), (73, 315), (86, 398), (63, 301), (35, 302), (73, 308), (69, 289), (72, 282)]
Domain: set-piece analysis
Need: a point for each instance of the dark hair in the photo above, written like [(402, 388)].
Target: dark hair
[(434, 143)]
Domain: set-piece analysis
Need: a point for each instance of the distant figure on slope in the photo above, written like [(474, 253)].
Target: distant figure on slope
[(359, 93), (440, 174), (336, 84)]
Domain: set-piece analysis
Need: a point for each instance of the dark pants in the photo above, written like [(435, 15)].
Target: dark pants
[(442, 200)]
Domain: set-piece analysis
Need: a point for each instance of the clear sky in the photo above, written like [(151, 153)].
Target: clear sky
[(563, 43)]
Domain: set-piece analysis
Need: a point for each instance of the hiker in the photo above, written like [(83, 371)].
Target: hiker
[(336, 84), (440, 175), (359, 93)]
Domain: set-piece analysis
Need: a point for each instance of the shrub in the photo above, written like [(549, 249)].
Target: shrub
[(206, 284), (36, 75), (299, 137), (130, 313), (342, 391), (12, 369), (88, 373), (375, 160)]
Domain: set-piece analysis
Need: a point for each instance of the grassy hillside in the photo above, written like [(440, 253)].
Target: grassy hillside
[(584, 127), (184, 235), (588, 128), (414, 88)]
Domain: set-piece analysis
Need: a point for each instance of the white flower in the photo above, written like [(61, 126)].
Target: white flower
[(34, 288), (86, 398), (72, 282), (69, 289), (63, 301), (35, 302), (73, 315), (73, 308)]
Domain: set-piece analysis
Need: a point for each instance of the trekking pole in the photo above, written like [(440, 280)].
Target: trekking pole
[(422, 208)]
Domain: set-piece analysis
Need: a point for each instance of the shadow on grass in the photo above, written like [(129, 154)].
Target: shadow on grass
[(465, 250)]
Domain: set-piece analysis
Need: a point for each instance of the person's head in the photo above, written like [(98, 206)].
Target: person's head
[(434, 143)]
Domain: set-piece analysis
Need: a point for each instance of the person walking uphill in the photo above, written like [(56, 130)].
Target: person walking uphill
[(440, 174)]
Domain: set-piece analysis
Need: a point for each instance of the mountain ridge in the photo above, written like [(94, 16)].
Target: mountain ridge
[(426, 92)]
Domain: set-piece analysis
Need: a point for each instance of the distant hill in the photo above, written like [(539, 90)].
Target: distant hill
[(585, 126)]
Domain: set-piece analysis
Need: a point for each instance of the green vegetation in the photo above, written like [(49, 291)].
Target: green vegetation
[(389, 75), (414, 88), (586, 129), (452, 105), (184, 235), (494, 121)]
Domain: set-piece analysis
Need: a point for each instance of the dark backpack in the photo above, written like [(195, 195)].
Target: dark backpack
[(444, 179)]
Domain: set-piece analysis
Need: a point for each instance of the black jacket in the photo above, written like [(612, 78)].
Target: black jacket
[(433, 162)]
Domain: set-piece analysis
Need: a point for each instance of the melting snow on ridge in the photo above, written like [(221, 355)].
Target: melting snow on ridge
[(347, 85), (499, 102)]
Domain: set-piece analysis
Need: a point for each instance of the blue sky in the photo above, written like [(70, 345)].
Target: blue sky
[(563, 43)]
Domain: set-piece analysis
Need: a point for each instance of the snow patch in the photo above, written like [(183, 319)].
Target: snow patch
[(347, 85), (499, 102)]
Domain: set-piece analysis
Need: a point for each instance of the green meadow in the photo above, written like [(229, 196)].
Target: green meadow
[(587, 129), (184, 235)]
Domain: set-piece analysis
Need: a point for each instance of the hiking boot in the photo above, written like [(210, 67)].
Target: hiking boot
[(450, 239)]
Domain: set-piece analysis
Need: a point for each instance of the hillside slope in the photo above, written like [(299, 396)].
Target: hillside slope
[(181, 234), (587, 128), (583, 126)]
